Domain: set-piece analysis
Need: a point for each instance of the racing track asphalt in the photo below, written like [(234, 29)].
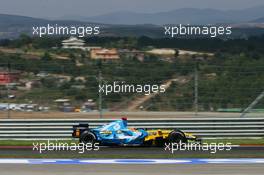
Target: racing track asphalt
[(167, 169), (135, 169), (133, 152)]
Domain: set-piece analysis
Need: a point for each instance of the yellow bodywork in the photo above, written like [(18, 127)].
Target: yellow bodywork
[(153, 134)]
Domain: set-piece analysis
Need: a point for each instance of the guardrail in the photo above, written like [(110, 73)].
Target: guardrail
[(202, 127)]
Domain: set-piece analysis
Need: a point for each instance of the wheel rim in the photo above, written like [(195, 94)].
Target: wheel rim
[(88, 139)]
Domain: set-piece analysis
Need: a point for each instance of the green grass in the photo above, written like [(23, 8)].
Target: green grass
[(30, 142), (236, 141)]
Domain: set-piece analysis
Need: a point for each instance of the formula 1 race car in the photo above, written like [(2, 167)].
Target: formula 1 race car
[(117, 133)]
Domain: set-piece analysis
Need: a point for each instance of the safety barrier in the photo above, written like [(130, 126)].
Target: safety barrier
[(202, 127)]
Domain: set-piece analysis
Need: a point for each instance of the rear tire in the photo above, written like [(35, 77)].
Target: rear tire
[(88, 137)]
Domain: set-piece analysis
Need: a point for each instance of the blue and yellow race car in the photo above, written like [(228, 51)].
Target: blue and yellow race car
[(118, 134)]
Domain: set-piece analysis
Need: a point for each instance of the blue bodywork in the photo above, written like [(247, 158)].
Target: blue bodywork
[(117, 133)]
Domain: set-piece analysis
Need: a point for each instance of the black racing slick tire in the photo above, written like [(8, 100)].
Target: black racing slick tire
[(88, 137), (177, 136)]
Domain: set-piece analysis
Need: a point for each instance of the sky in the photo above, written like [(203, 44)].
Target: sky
[(62, 8)]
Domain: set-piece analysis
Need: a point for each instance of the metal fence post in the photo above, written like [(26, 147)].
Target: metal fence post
[(196, 95), (8, 88)]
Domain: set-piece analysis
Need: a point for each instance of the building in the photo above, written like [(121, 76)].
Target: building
[(73, 43), (8, 77), (162, 52), (104, 54), (31, 84)]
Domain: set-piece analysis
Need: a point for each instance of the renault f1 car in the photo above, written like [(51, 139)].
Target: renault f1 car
[(118, 134)]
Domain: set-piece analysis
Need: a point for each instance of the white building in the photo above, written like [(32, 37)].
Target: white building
[(162, 51), (73, 43)]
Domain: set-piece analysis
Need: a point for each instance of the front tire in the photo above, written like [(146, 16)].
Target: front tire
[(177, 136)]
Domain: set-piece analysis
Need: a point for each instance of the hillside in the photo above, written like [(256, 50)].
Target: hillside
[(259, 20), (232, 78), (184, 16), (11, 26)]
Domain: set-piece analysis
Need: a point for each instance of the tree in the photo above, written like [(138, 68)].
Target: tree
[(72, 57), (177, 53), (46, 56)]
